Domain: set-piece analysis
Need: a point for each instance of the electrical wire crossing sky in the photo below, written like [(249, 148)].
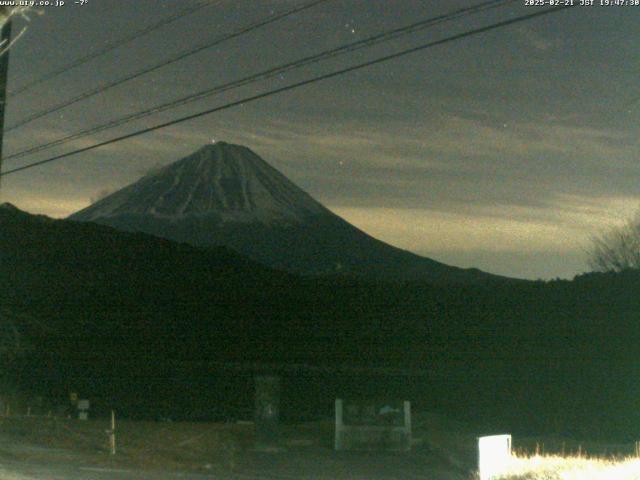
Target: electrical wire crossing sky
[(504, 145)]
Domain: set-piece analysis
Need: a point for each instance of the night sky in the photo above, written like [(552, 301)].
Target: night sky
[(504, 151)]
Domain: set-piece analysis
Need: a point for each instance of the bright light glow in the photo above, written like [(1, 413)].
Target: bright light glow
[(494, 456), (571, 468)]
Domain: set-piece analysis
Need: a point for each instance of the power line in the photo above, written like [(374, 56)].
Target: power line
[(181, 56), (270, 73), (277, 91), (112, 46)]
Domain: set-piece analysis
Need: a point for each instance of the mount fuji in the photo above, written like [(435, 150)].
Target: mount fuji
[(226, 195)]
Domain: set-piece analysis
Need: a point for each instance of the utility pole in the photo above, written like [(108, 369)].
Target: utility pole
[(5, 38)]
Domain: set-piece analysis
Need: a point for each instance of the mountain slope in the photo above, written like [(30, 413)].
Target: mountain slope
[(45, 261), (227, 195), (227, 183), (137, 321)]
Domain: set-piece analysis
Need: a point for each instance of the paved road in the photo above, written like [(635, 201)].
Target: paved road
[(34, 471), (293, 464), (29, 471)]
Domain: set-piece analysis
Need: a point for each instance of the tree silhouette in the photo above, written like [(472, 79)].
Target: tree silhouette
[(13, 344), (618, 248)]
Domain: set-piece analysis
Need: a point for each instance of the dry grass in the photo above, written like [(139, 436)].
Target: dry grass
[(223, 447), (555, 467)]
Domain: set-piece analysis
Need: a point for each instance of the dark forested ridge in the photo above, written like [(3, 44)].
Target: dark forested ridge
[(146, 323)]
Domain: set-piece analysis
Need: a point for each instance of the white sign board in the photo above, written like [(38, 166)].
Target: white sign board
[(494, 455)]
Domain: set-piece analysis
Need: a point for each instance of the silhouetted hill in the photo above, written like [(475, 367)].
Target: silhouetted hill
[(137, 320)]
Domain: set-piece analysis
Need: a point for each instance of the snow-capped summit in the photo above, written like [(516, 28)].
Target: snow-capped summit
[(226, 195), (229, 182)]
